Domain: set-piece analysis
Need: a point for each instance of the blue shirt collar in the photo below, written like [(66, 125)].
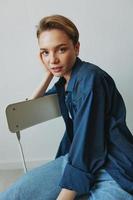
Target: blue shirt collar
[(73, 77)]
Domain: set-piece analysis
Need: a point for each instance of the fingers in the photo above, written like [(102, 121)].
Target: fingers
[(41, 58), (42, 62)]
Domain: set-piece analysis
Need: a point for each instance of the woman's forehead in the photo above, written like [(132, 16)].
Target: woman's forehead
[(53, 38)]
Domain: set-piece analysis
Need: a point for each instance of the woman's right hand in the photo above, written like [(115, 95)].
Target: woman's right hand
[(48, 76), (46, 70)]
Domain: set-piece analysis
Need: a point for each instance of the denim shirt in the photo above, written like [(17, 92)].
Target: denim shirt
[(96, 133)]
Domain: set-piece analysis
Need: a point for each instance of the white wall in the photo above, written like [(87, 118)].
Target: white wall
[(106, 29)]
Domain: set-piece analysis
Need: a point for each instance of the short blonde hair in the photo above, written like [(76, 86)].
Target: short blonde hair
[(58, 22)]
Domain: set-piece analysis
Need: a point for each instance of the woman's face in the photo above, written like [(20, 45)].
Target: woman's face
[(57, 52)]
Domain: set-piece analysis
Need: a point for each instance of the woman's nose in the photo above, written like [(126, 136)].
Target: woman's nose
[(53, 59)]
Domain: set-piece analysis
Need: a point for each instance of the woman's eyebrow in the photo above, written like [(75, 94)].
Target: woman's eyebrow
[(56, 47)]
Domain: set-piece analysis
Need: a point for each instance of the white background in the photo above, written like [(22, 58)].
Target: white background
[(106, 31)]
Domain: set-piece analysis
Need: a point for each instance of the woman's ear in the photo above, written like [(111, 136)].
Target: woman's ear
[(77, 47)]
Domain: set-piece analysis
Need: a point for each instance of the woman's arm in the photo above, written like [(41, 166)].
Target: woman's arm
[(66, 194), (40, 90)]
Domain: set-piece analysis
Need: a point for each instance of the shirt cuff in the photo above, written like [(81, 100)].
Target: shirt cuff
[(76, 180)]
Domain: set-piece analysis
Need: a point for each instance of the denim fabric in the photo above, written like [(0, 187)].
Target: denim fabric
[(105, 188), (42, 183), (96, 132)]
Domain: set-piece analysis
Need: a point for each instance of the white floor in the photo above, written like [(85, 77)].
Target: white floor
[(7, 177)]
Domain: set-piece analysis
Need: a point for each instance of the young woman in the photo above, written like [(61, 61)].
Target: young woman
[(95, 157)]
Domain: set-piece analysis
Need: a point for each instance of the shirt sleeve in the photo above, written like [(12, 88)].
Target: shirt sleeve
[(88, 149), (50, 91)]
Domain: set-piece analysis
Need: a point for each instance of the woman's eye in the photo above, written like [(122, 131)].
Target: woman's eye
[(45, 53), (62, 50)]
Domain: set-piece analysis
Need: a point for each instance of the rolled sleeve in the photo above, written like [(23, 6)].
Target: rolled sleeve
[(72, 180)]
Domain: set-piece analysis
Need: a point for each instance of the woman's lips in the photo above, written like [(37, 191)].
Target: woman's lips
[(56, 69)]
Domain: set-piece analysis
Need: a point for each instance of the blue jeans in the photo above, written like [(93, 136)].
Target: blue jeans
[(42, 183)]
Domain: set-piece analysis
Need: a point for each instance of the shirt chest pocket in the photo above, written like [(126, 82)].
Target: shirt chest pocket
[(72, 104), (77, 102)]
